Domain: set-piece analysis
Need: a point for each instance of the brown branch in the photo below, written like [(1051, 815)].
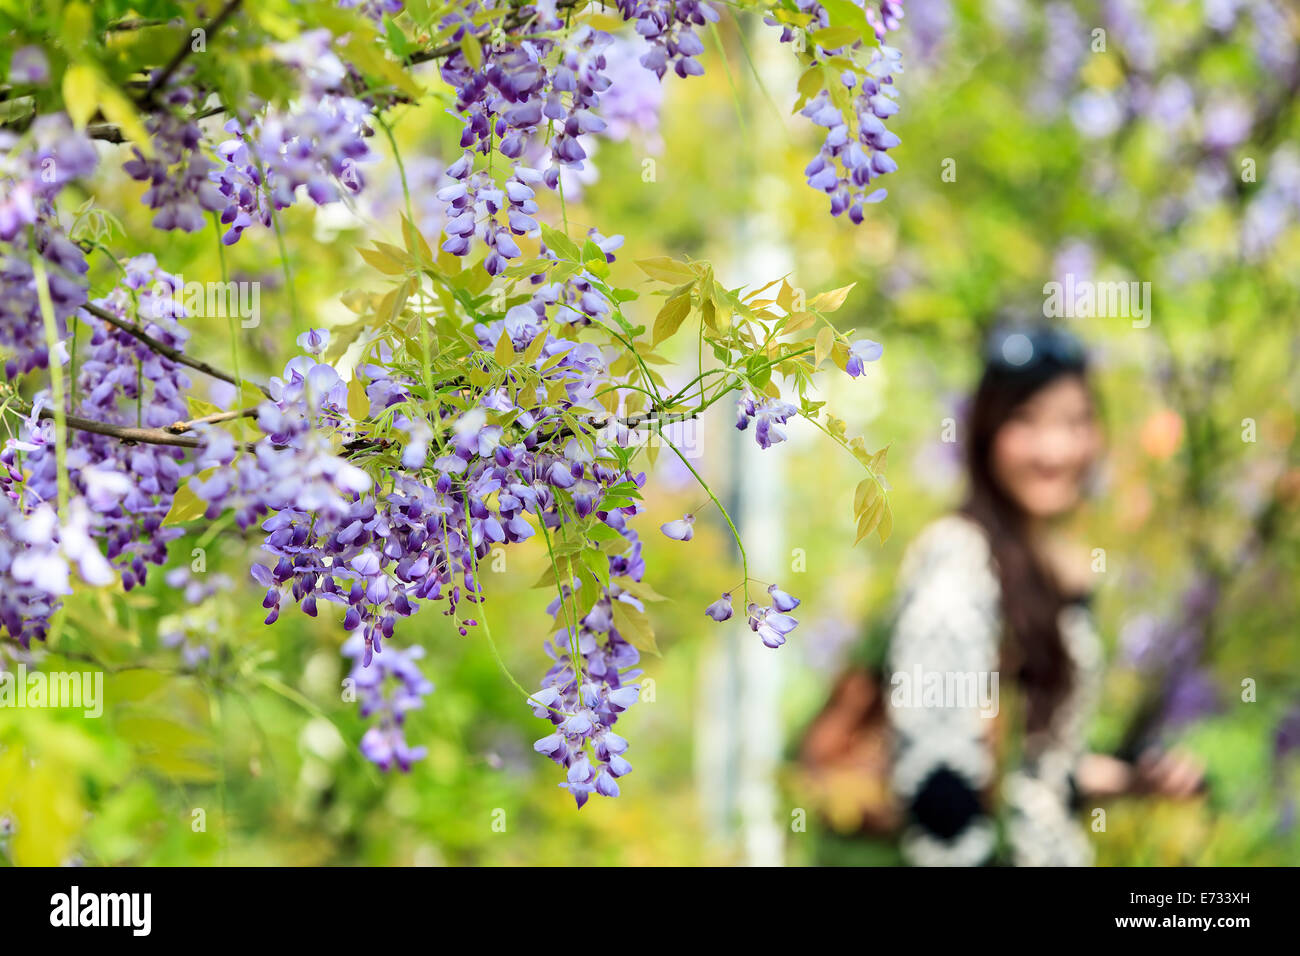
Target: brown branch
[(149, 436), (178, 428), (110, 133), (165, 350), (135, 23), (171, 435)]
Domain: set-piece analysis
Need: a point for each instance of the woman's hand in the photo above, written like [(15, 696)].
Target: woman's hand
[(1175, 774), (1099, 775)]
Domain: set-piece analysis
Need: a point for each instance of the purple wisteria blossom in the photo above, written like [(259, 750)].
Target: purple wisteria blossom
[(680, 529)]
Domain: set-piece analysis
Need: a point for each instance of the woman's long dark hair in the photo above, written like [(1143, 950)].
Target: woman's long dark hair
[(1031, 597)]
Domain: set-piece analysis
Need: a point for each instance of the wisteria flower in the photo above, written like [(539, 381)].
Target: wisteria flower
[(680, 530), (861, 352), (720, 610)]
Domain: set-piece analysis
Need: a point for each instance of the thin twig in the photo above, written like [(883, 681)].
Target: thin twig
[(148, 436), (513, 19), (165, 350), (178, 428), (109, 133), (159, 80)]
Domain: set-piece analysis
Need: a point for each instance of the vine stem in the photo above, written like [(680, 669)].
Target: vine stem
[(288, 272), (843, 444), (225, 281), (482, 613), (425, 357), (731, 80), (60, 414), (740, 545)]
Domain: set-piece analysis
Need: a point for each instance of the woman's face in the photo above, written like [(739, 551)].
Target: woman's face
[(1043, 451)]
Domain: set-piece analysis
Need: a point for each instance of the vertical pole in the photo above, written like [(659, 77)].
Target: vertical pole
[(739, 741)]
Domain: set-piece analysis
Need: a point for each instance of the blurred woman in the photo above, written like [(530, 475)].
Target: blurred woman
[(990, 769)]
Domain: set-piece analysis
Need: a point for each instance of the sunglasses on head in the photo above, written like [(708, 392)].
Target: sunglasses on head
[(1015, 349)]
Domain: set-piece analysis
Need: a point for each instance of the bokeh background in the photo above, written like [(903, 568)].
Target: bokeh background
[(1120, 140)]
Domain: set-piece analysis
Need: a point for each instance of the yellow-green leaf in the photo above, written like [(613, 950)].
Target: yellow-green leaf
[(472, 49), (121, 111), (670, 318), (186, 505), (870, 519), (358, 403), (830, 301), (634, 627), (383, 262), (639, 589), (865, 494), (80, 92), (666, 270), (886, 527), (416, 244), (832, 38), (505, 350), (534, 349), (825, 338)]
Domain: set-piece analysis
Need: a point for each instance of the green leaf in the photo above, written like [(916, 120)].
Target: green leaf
[(832, 38), (186, 505), (397, 41), (634, 627), (560, 244), (596, 562), (848, 14), (667, 270), (639, 589), (472, 49)]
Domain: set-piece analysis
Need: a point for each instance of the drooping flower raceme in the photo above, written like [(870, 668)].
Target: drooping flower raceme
[(121, 381), (852, 106), (33, 171)]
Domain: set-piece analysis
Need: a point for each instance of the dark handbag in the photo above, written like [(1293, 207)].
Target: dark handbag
[(846, 754)]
